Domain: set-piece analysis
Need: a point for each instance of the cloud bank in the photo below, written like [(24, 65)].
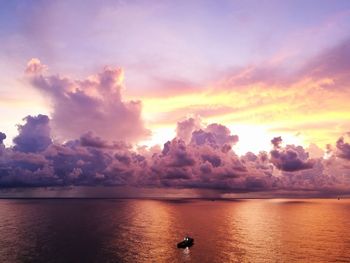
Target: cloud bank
[(205, 160)]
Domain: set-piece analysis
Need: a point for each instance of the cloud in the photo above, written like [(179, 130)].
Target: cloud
[(215, 135), (98, 123), (343, 149), (276, 142), (2, 146), (185, 128), (89, 139), (332, 63), (206, 161), (290, 158), (34, 66), (34, 135), (91, 160), (221, 134), (94, 104), (2, 137)]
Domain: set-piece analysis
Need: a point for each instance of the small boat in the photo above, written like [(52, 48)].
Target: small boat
[(187, 242)]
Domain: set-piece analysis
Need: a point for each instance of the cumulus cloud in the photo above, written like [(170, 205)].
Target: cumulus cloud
[(34, 135), (185, 128), (2, 137), (207, 161), (343, 149), (215, 135), (94, 104), (276, 142), (222, 134), (290, 158), (34, 66), (89, 139)]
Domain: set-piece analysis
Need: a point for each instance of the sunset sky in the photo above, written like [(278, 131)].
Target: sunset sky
[(121, 78)]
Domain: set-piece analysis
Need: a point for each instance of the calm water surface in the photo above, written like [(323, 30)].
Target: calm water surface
[(79, 230)]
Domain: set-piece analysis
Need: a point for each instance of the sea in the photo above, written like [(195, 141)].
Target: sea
[(140, 230)]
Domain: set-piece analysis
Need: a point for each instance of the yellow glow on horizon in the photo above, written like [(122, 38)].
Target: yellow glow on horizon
[(160, 136), (307, 111), (252, 138)]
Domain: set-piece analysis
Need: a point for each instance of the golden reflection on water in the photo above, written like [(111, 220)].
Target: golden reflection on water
[(148, 231), (186, 254), (246, 231), (294, 231)]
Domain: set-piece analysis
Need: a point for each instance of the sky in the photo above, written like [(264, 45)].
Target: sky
[(229, 96)]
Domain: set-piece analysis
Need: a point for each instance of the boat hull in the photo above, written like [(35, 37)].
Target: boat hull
[(186, 243)]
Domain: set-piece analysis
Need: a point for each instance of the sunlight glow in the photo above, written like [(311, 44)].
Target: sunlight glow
[(252, 138), (160, 136), (256, 138)]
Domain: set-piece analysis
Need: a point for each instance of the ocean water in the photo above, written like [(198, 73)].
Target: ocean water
[(112, 230)]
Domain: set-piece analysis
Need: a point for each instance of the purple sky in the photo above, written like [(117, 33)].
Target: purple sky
[(229, 96)]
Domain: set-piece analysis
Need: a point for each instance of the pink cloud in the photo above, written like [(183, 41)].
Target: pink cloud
[(206, 161), (94, 104)]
